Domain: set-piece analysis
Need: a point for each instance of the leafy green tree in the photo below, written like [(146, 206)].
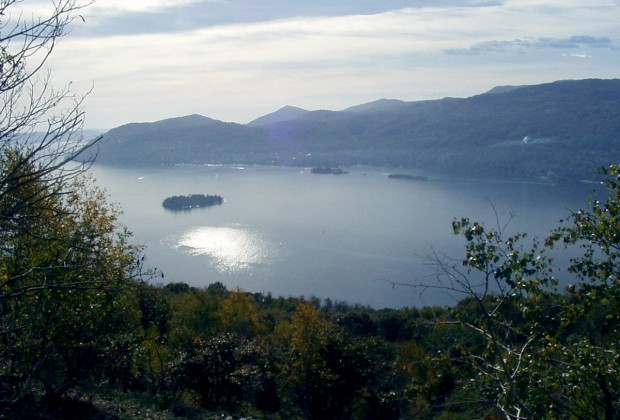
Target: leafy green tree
[(543, 352), (67, 308), (499, 277), (326, 373), (586, 346), (238, 314), (65, 311), (195, 315), (227, 371), (155, 309)]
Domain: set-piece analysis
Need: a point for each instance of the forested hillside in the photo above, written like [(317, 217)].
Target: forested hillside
[(557, 130)]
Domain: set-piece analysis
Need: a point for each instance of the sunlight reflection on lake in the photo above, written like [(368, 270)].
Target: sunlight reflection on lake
[(231, 249)]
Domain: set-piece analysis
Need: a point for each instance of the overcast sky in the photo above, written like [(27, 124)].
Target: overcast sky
[(235, 60)]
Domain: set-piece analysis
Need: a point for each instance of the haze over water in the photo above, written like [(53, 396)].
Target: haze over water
[(348, 238)]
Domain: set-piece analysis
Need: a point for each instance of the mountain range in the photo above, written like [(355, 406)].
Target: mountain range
[(560, 130)]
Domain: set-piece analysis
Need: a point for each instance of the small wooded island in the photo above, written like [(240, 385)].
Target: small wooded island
[(192, 201), (408, 177), (327, 170)]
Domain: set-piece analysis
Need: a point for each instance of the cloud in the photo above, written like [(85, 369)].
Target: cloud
[(114, 17), (154, 68), (592, 41), (573, 42), (103, 7), (577, 55), (117, 7)]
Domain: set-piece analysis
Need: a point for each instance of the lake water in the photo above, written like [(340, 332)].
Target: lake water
[(289, 232)]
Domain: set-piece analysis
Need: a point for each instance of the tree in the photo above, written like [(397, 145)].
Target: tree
[(326, 373), (68, 308), (543, 352), (226, 370), (39, 125), (238, 314), (586, 347)]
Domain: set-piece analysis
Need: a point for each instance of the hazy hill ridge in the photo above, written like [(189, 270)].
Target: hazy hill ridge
[(560, 130), (286, 113)]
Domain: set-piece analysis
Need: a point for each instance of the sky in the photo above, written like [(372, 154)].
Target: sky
[(236, 60)]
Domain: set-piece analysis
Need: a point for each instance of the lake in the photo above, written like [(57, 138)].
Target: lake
[(345, 237)]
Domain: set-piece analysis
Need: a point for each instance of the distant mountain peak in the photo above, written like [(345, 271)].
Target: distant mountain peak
[(378, 105), (288, 108), (502, 89), (189, 120), (286, 113)]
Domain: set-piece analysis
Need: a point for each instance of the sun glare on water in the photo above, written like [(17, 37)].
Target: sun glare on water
[(230, 248)]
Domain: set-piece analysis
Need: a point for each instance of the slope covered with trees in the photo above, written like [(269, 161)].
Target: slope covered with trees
[(557, 130)]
